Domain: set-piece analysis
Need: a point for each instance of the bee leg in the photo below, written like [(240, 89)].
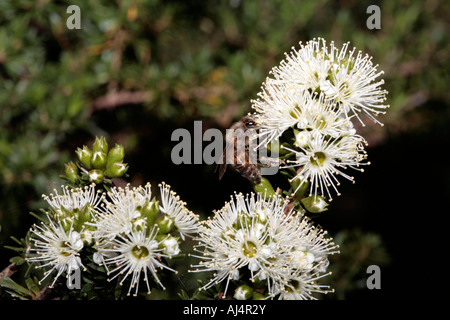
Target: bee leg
[(267, 162)]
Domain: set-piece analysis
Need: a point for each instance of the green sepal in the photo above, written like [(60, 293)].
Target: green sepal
[(314, 204)]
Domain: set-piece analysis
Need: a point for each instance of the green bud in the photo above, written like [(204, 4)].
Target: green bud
[(150, 211), (243, 221), (116, 170), (96, 176), (100, 145), (314, 204), (84, 156), (71, 172), (258, 296), (85, 214), (66, 223), (301, 186), (116, 154), (264, 187), (98, 160), (243, 292), (165, 224)]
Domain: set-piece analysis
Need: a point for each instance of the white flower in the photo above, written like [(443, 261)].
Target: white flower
[(130, 221), (348, 80), (260, 237), (123, 211), (278, 108), (322, 159), (72, 201), (56, 249), (186, 222), (302, 285), (136, 253), (170, 245), (283, 105), (358, 89)]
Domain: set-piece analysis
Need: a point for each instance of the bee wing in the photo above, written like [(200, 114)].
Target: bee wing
[(229, 150), (222, 169)]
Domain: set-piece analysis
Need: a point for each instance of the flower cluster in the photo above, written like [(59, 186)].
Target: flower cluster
[(265, 247), (308, 104), (97, 165), (126, 230), (257, 246)]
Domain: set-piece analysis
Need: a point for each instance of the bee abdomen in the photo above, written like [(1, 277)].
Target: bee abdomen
[(250, 172)]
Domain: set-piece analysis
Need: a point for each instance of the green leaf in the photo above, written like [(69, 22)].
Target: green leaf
[(183, 295), (18, 260), (20, 242), (17, 249), (32, 285), (8, 283)]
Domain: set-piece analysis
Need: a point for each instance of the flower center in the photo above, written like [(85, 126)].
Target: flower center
[(249, 249), (318, 159), (295, 112), (64, 248), (295, 286), (139, 251), (322, 123)]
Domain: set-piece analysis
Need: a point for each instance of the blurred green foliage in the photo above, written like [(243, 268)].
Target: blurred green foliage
[(138, 65)]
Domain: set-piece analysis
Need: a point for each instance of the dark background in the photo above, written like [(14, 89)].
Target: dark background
[(137, 70)]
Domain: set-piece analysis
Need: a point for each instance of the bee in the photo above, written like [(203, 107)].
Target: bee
[(241, 156)]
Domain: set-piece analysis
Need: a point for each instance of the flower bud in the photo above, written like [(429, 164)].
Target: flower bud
[(66, 223), (165, 224), (264, 187), (98, 160), (301, 185), (116, 154), (258, 296), (85, 214), (243, 292), (100, 145), (96, 176), (71, 172), (84, 156), (87, 237), (116, 170), (150, 211), (314, 204), (169, 244), (301, 138)]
